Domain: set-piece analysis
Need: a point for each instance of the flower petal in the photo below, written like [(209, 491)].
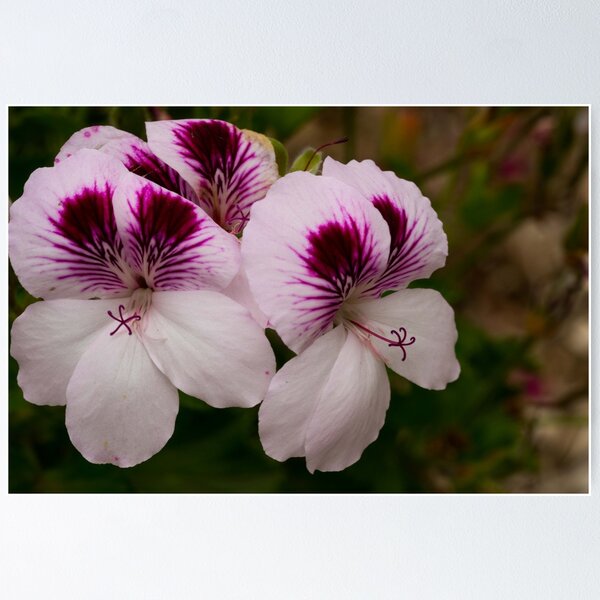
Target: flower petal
[(239, 290), (93, 138), (310, 244), (170, 242), (328, 403), (229, 169), (293, 394), (209, 347), (134, 153), (427, 360), (351, 409), (48, 340), (419, 245), (120, 408), (63, 235)]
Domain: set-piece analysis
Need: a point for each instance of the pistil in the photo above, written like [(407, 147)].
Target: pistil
[(399, 342), (122, 320)]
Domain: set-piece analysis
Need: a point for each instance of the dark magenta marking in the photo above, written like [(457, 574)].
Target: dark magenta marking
[(86, 222), (164, 232), (141, 161), (341, 254), (408, 253), (339, 257), (218, 152)]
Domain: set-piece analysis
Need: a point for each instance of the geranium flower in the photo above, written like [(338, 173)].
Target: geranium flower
[(130, 275), (212, 163), (319, 252)]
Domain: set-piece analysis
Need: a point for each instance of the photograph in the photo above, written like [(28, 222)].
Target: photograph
[(371, 299)]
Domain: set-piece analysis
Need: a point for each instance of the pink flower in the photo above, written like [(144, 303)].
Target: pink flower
[(319, 253), (130, 274)]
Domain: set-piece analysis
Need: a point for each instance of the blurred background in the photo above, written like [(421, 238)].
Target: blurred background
[(511, 187)]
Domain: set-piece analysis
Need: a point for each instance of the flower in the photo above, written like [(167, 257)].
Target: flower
[(130, 275), (212, 163), (319, 252)]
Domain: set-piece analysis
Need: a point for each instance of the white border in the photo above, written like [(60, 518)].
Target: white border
[(164, 52)]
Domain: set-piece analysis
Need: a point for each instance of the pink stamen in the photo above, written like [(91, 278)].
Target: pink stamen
[(400, 333), (122, 320)]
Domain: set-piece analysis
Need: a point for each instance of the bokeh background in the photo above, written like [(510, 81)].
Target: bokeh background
[(511, 187)]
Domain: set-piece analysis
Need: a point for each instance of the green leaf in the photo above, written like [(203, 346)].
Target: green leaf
[(301, 163), (281, 156)]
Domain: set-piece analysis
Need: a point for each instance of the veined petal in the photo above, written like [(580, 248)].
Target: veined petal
[(63, 237), (239, 290), (48, 340), (419, 331), (311, 243), (293, 394), (209, 346), (418, 243), (170, 242), (92, 138), (134, 153), (120, 408), (229, 169)]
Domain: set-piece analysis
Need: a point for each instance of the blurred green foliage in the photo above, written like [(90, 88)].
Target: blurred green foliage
[(470, 437)]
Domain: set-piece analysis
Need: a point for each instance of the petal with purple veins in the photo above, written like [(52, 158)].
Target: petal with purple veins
[(136, 155), (63, 236), (228, 168), (311, 244), (170, 242), (132, 151), (419, 245)]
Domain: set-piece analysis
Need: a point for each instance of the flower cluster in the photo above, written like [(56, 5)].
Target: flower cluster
[(161, 263)]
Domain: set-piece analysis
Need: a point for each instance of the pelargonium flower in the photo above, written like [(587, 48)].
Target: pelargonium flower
[(319, 252), (212, 163), (130, 275)]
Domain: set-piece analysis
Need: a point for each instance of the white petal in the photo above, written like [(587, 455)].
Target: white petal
[(293, 394), (92, 138), (48, 340), (120, 408), (209, 346), (429, 360), (350, 411), (328, 403), (239, 290)]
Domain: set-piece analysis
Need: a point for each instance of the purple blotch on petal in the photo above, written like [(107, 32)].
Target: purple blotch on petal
[(164, 233), (86, 223)]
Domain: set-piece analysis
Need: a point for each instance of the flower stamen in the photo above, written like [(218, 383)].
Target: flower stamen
[(400, 334), (122, 320)]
